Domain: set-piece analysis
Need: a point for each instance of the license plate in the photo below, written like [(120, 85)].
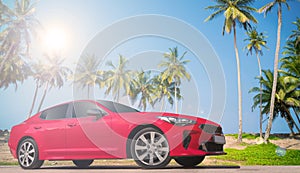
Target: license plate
[(219, 139)]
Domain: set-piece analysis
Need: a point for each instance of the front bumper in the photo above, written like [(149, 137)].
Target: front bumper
[(194, 142)]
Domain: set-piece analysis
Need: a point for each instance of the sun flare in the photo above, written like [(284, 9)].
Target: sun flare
[(55, 39)]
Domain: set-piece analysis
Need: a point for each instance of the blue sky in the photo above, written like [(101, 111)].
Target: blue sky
[(84, 20)]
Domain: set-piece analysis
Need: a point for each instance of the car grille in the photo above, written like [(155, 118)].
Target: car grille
[(211, 147), (211, 129)]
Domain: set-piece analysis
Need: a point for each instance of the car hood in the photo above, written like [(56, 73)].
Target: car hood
[(139, 117)]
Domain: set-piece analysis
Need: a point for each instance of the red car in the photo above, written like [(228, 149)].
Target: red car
[(85, 130)]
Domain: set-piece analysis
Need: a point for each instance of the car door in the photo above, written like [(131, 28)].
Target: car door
[(51, 131), (88, 131)]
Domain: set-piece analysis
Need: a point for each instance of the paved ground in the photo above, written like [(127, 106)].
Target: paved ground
[(173, 169)]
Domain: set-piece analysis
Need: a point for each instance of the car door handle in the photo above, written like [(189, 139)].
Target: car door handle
[(72, 124), (37, 127)]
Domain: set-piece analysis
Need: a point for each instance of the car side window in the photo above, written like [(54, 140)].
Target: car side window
[(85, 109), (57, 112)]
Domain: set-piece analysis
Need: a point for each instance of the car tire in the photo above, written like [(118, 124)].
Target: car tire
[(150, 149), (28, 154), (83, 163), (189, 162)]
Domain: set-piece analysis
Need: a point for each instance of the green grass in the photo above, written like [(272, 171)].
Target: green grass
[(252, 136), (264, 154), (8, 163)]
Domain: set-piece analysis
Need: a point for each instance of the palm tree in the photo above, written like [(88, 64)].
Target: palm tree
[(296, 33), (55, 74), (256, 41), (14, 71), (17, 27), (287, 97), (174, 70), (165, 90), (236, 12), (142, 86), (117, 78), (291, 66), (265, 9), (38, 75), (291, 62), (87, 73)]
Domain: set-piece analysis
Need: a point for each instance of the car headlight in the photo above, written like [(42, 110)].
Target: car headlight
[(177, 121)]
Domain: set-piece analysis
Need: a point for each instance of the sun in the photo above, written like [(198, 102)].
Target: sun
[(55, 39)]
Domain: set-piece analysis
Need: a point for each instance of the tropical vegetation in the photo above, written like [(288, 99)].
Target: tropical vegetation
[(118, 78), (55, 73), (266, 9), (287, 97), (236, 13), (256, 41), (18, 25), (143, 86), (277, 95), (87, 73), (174, 71)]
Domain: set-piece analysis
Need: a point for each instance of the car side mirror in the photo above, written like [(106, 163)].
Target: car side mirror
[(95, 112)]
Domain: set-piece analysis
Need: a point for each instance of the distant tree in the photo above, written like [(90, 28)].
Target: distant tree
[(174, 70), (165, 90), (290, 64), (14, 71), (291, 61), (39, 77), (142, 88), (265, 9), (117, 78), (17, 26), (287, 97), (296, 33), (256, 41), (236, 12), (55, 74), (87, 72)]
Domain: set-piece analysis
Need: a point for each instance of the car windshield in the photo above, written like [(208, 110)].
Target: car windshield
[(116, 107)]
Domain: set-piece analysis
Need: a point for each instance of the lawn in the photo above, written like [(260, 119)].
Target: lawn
[(264, 154), (253, 136)]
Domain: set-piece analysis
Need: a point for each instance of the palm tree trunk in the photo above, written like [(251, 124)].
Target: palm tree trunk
[(88, 91), (176, 106), (260, 97), (239, 86), (34, 98), (292, 119), (297, 116), (118, 95), (290, 125), (43, 98), (271, 116), (163, 103)]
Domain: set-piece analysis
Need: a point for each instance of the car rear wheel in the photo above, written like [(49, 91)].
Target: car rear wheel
[(28, 154), (150, 149), (83, 163), (189, 161)]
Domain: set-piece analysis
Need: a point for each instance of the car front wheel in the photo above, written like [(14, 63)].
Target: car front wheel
[(83, 163), (189, 162), (150, 149), (28, 154)]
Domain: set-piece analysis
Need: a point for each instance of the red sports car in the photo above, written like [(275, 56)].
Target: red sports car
[(85, 130)]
